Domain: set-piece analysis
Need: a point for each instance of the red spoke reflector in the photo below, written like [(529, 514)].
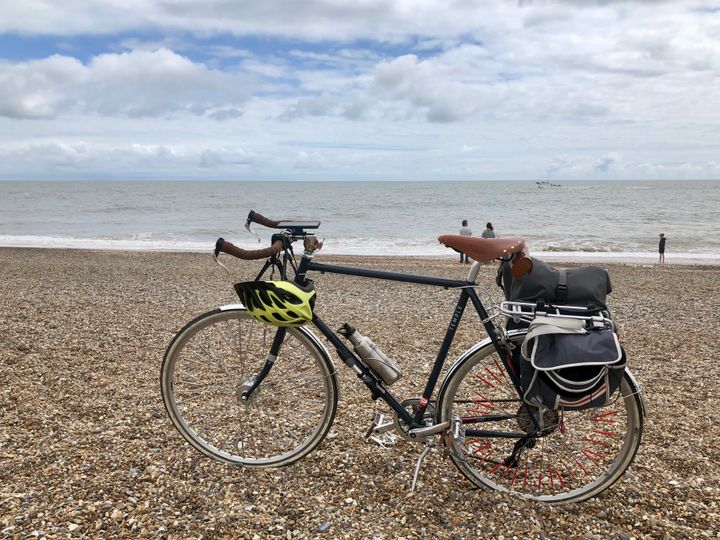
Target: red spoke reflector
[(483, 400), (599, 443), (609, 413), (501, 370), (493, 375), (478, 411), (478, 377), (483, 447), (606, 418), (488, 461), (512, 484), (496, 467), (589, 453), (594, 453)]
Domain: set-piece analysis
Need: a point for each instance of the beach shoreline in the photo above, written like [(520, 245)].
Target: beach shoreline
[(86, 447), (590, 258)]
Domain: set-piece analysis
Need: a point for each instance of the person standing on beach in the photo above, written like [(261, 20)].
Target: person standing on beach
[(489, 232), (661, 248), (465, 231)]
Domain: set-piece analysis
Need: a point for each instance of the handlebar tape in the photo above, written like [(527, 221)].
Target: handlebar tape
[(223, 246), (254, 217)]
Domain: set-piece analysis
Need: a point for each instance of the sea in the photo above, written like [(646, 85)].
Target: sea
[(575, 220)]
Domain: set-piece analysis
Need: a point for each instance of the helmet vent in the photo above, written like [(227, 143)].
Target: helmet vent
[(279, 303)]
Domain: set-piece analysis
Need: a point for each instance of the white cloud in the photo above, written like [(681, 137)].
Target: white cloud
[(313, 19), (605, 163), (93, 158), (38, 89), (134, 84), (440, 90)]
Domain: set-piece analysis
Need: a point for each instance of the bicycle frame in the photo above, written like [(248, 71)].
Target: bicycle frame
[(375, 385), (478, 409)]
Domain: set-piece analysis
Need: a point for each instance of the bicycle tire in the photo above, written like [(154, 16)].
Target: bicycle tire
[(213, 359), (584, 453)]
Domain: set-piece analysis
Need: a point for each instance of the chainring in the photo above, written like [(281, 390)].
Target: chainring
[(410, 405)]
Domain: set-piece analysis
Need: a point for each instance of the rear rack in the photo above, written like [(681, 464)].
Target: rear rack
[(526, 311)]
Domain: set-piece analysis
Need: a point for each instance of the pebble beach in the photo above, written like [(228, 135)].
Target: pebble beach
[(87, 450)]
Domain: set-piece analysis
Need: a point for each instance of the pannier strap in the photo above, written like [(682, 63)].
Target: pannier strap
[(561, 289), (542, 325)]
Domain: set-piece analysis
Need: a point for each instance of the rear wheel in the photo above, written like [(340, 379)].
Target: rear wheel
[(214, 359), (580, 454)]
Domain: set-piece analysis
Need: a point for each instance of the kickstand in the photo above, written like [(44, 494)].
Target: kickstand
[(424, 453)]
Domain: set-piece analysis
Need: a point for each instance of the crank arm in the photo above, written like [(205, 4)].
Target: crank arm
[(430, 430)]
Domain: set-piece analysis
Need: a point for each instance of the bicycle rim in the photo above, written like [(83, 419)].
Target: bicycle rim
[(583, 453), (214, 359)]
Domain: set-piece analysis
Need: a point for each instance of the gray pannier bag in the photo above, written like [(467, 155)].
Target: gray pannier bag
[(568, 366), (585, 286)]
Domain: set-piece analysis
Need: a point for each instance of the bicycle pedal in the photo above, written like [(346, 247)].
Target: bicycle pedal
[(457, 430), (454, 435), (384, 440), (378, 426)]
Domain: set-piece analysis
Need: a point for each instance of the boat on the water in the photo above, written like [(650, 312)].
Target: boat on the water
[(545, 183)]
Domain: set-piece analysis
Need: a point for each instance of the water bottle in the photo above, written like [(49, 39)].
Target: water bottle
[(371, 354)]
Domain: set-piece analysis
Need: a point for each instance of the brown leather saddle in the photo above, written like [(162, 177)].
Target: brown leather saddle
[(489, 249)]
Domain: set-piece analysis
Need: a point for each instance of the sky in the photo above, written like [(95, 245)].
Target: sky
[(359, 90)]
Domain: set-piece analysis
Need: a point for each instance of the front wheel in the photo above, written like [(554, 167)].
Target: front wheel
[(580, 454), (214, 360)]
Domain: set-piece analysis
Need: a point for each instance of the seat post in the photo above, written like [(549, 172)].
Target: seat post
[(473, 272)]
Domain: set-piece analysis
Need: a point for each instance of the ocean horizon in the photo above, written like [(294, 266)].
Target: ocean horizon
[(571, 220)]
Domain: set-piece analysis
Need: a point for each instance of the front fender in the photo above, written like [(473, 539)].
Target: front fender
[(228, 307)]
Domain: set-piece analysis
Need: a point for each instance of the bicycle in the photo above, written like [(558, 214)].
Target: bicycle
[(226, 382)]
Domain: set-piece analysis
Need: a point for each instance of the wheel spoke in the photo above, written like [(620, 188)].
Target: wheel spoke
[(214, 360), (579, 453)]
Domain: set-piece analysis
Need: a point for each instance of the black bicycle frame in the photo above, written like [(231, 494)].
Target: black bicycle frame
[(376, 386)]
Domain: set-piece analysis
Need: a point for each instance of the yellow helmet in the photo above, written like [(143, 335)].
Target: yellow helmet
[(280, 303)]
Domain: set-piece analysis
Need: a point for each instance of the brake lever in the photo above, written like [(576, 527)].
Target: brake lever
[(247, 227), (216, 258)]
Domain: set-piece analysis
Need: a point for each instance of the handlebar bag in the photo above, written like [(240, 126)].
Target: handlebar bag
[(566, 366)]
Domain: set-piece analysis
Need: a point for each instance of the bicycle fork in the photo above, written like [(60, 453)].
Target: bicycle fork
[(255, 381)]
